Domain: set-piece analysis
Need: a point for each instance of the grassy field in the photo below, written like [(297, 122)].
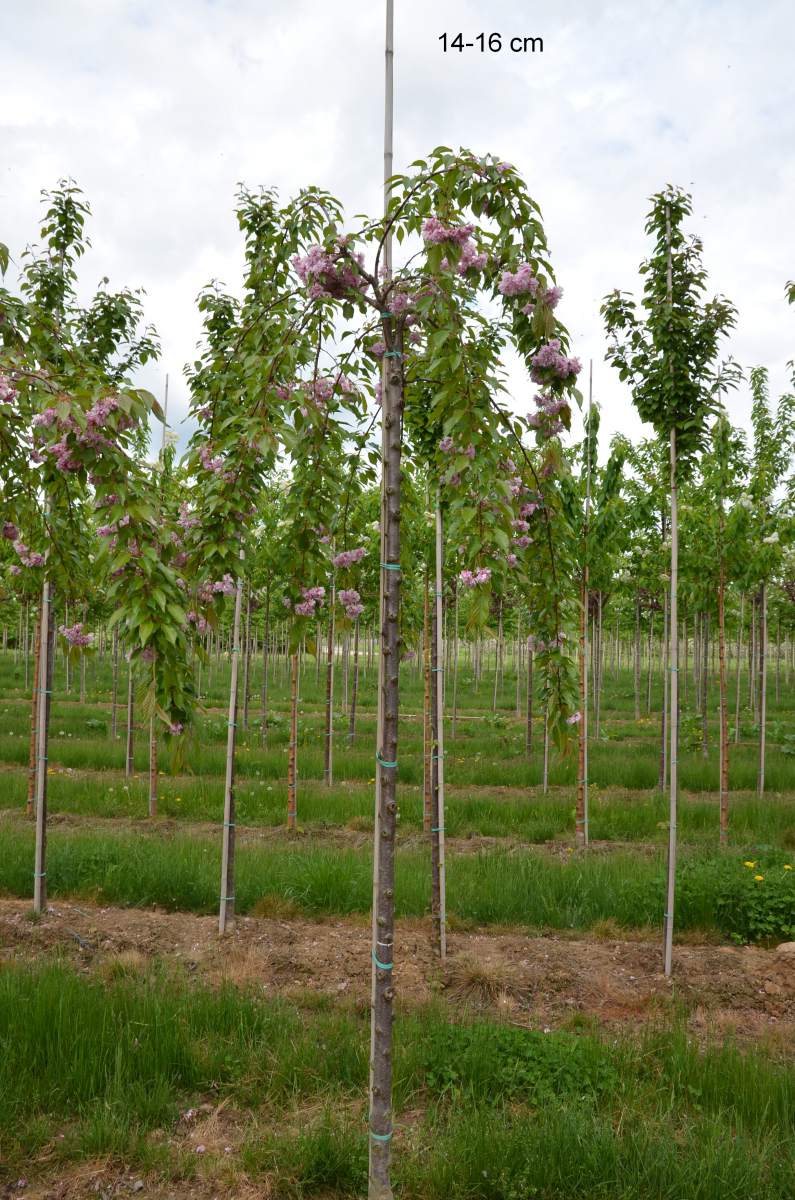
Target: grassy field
[(104, 1064)]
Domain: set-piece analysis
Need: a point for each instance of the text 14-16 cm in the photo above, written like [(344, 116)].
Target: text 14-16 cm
[(493, 42)]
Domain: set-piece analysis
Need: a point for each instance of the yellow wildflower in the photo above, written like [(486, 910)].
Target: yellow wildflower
[(787, 866), (749, 864), (758, 878)]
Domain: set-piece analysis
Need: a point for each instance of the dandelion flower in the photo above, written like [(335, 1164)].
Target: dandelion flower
[(758, 878), (749, 864), (787, 866)]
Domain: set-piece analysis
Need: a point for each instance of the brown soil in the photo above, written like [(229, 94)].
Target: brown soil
[(536, 981)]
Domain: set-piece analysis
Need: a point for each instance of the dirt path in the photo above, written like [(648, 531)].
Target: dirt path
[(534, 981)]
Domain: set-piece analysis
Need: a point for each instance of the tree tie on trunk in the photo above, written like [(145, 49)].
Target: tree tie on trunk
[(381, 966), (383, 763)]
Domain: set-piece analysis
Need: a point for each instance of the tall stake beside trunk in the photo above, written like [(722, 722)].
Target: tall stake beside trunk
[(44, 684), (581, 811), (292, 750), (724, 700), (427, 738), (439, 905), (762, 627), (34, 719), (383, 925), (226, 911), (328, 764), (129, 765), (354, 684)]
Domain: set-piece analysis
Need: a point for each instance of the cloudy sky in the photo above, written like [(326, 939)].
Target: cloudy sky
[(159, 109)]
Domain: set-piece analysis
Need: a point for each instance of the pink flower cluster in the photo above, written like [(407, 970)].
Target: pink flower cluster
[(551, 359), (224, 587), (348, 557), (519, 282), (74, 634), (351, 602), (547, 420), (195, 619), (185, 520), (8, 393), (435, 232), (574, 719), (312, 597), (326, 273), (210, 462), (448, 446), (10, 531), (473, 578), (27, 557)]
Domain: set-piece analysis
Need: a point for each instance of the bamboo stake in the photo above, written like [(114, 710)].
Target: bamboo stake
[(46, 655), (383, 911), (674, 696), (226, 910), (437, 829), (760, 786)]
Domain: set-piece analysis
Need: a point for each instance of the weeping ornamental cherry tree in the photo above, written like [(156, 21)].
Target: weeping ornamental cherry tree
[(72, 429), (477, 231), (669, 358)]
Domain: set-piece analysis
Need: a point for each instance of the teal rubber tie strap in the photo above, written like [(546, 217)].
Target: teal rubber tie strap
[(383, 763), (390, 566), (393, 354), (227, 898), (437, 668), (437, 829), (381, 966), (386, 314), (39, 874), (381, 1137), (232, 724), (229, 824)]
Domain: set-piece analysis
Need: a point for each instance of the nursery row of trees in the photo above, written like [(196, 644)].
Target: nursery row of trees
[(288, 509)]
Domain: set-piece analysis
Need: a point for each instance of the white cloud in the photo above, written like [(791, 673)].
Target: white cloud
[(160, 110)]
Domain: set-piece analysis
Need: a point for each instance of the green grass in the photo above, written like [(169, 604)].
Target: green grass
[(521, 888), (483, 1111)]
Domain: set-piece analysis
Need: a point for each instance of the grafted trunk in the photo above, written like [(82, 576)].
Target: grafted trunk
[(152, 767)]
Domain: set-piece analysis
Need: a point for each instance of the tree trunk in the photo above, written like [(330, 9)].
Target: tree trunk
[(581, 809), (292, 755), (427, 735), (114, 687), (354, 684), (663, 774), (152, 767), (45, 676), (34, 722), (263, 729), (528, 737), (226, 910), (246, 656), (129, 765), (674, 719), (724, 705), (455, 666), (328, 764), (737, 678), (705, 684), (637, 656), (762, 627)]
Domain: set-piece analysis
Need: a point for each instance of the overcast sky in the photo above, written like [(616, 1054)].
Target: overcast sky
[(158, 109)]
